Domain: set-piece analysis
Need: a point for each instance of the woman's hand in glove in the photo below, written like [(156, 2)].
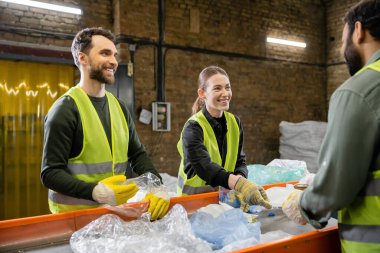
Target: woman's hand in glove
[(252, 193)]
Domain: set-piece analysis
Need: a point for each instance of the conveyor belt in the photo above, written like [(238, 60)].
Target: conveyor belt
[(51, 233)]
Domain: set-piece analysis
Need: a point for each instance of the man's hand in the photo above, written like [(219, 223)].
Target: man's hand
[(252, 194), (158, 207), (291, 207), (111, 191)]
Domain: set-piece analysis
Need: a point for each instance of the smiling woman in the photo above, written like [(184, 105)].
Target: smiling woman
[(27, 91), (211, 144)]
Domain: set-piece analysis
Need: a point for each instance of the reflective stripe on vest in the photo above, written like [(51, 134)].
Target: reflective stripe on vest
[(181, 187), (359, 224), (360, 233), (80, 170), (96, 168), (195, 184), (96, 161), (63, 199)]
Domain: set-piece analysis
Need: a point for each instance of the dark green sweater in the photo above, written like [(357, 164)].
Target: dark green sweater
[(63, 139), (350, 151)]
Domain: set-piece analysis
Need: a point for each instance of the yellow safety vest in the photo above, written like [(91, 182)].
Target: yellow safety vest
[(194, 185), (96, 161), (359, 223)]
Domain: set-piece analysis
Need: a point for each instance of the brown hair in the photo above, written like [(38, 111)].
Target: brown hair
[(205, 74), (83, 39)]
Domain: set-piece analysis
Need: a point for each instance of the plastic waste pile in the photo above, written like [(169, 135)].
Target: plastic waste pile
[(110, 234), (215, 228), (277, 171)]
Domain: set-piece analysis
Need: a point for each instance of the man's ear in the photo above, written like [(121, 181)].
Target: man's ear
[(82, 58), (359, 33)]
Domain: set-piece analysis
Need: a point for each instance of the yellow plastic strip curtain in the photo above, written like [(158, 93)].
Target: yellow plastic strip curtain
[(27, 90)]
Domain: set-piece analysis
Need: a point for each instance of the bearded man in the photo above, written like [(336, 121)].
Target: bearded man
[(348, 180), (89, 136)]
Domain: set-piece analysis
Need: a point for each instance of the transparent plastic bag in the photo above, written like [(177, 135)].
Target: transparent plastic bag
[(134, 210), (147, 182), (135, 207), (277, 195), (110, 234), (171, 184), (286, 163), (215, 209)]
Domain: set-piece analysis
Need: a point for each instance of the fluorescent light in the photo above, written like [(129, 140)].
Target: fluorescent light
[(286, 42), (53, 7)]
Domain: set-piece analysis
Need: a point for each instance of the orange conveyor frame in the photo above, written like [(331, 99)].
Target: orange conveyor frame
[(45, 230)]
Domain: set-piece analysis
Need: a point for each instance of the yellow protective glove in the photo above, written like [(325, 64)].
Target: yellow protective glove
[(251, 193), (111, 191), (158, 207), (291, 207)]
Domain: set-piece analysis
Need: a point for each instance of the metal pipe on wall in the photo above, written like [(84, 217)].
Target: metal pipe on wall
[(160, 87)]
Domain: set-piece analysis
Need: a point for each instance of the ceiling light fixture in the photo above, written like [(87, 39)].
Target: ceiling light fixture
[(53, 7), (286, 42)]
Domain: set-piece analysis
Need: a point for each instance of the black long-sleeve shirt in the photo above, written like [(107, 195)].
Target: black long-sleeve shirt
[(197, 160), (63, 139)]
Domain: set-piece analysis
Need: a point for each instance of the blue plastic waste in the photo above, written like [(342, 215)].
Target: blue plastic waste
[(261, 174), (228, 197), (256, 209), (228, 227)]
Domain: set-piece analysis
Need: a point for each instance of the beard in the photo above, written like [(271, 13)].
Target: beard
[(97, 74), (352, 57)]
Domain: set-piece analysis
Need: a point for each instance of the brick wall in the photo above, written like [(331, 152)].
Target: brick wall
[(269, 83), (264, 94), (34, 20), (265, 91)]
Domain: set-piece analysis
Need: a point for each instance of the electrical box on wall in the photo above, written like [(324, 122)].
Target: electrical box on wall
[(161, 116)]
